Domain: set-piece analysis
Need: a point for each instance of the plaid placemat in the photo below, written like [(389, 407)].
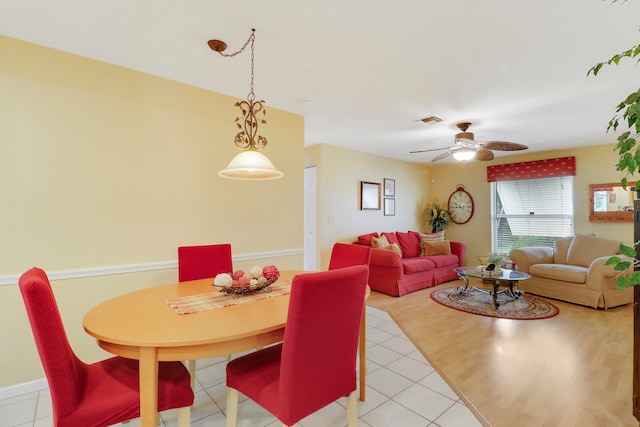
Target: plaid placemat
[(216, 299)]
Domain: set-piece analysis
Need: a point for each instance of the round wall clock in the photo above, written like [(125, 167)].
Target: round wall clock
[(460, 205)]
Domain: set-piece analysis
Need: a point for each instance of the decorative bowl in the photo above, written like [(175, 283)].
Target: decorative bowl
[(242, 290)]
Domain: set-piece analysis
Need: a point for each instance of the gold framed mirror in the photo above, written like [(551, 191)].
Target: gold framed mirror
[(609, 202)]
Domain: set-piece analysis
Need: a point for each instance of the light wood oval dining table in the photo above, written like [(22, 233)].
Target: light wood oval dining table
[(141, 325)]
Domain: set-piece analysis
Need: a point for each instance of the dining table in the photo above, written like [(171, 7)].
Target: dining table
[(142, 325)]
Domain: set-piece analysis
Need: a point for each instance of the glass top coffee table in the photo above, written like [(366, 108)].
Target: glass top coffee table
[(504, 277)]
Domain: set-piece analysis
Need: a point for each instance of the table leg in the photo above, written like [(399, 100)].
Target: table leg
[(513, 289), (496, 284), (363, 353), (148, 386), (466, 288)]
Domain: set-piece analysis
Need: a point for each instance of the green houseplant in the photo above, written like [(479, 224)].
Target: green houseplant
[(626, 117), (437, 216)]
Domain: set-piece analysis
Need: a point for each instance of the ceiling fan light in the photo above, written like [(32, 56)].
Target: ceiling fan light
[(464, 154), (465, 137)]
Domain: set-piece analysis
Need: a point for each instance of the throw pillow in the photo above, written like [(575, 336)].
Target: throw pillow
[(391, 237), (396, 248), (365, 239), (409, 243), (437, 247), (584, 249), (380, 242), (429, 237)]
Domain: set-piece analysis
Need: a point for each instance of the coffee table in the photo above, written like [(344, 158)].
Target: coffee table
[(505, 277)]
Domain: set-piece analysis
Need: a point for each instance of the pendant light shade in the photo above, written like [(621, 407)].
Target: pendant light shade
[(250, 165)]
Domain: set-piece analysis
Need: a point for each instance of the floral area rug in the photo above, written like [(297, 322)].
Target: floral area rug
[(527, 307)]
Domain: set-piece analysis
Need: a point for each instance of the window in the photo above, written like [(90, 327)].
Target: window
[(531, 212)]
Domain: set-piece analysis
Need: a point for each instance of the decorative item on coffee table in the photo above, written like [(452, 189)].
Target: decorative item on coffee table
[(240, 282), (491, 264)]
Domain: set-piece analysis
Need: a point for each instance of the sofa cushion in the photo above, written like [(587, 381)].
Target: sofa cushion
[(561, 249), (382, 242), (396, 248), (437, 247), (432, 236), (584, 249), (365, 239), (444, 260), (562, 272), (417, 264), (409, 243), (429, 237), (391, 237), (416, 235), (379, 242)]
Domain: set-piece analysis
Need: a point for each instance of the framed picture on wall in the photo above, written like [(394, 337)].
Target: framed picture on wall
[(389, 207), (389, 187), (369, 195)]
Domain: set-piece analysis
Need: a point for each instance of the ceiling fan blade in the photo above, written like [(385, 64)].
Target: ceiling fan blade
[(441, 156), (432, 149), (484, 155), (504, 146)]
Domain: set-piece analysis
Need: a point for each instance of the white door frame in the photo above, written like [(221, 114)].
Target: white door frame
[(310, 220)]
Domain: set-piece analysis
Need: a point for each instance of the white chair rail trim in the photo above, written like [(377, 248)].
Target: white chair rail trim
[(12, 279)]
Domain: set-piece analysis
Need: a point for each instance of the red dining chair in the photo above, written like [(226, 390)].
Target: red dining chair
[(98, 394), (316, 362), (203, 262), (346, 255)]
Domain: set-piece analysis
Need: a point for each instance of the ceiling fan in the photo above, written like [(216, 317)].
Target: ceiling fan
[(466, 148)]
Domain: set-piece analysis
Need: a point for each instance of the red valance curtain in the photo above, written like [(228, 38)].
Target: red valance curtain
[(550, 168)]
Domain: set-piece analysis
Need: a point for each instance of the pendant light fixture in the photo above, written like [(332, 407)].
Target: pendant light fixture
[(250, 164)]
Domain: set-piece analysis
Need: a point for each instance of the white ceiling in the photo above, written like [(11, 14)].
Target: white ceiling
[(364, 72)]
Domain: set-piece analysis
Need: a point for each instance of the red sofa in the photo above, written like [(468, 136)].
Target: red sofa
[(396, 276)]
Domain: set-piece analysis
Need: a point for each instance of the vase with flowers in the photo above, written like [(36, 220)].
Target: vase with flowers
[(437, 216)]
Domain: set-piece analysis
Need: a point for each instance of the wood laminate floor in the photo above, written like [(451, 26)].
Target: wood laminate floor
[(574, 369)]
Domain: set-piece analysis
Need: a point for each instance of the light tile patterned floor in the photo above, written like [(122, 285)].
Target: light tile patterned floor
[(402, 390)]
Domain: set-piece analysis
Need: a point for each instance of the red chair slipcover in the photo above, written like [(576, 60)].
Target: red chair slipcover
[(316, 363), (345, 255), (97, 394), (202, 262)]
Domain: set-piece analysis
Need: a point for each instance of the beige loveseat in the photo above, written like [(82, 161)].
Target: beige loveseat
[(574, 271)]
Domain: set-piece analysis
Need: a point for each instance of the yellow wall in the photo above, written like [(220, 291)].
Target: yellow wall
[(339, 172), (593, 165), (102, 166)]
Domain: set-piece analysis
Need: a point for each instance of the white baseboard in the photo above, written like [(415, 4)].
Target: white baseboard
[(23, 388)]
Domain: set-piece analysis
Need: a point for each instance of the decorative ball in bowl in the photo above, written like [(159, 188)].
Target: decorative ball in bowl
[(242, 282)]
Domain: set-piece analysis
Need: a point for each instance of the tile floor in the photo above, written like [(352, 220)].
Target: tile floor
[(402, 390)]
